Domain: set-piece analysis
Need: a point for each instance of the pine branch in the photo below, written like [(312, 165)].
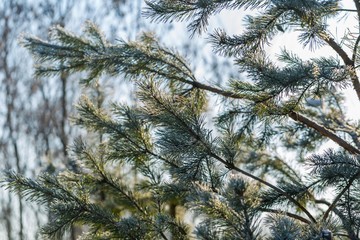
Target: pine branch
[(335, 169), (92, 117), (282, 227), (175, 69), (289, 214), (348, 62), (233, 209), (356, 45), (197, 11), (342, 217), (178, 119), (294, 115), (324, 131), (345, 10), (337, 198), (348, 129), (282, 192), (127, 195)]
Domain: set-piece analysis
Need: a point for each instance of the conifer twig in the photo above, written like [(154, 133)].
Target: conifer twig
[(231, 166), (282, 192), (337, 198), (347, 60), (289, 214), (294, 115), (324, 131)]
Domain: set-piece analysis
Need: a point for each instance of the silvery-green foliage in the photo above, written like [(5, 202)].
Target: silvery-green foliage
[(225, 170)]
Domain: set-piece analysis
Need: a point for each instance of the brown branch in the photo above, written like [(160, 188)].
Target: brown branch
[(324, 131), (336, 47), (294, 115), (340, 214), (337, 198), (355, 48), (347, 60), (64, 114), (347, 129), (356, 83), (289, 214), (345, 10)]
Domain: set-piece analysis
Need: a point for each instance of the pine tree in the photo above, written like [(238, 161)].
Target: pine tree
[(224, 170)]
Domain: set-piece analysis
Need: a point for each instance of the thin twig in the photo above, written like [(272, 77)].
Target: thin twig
[(348, 62), (230, 165), (282, 192), (289, 214), (337, 198), (294, 115), (324, 131)]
